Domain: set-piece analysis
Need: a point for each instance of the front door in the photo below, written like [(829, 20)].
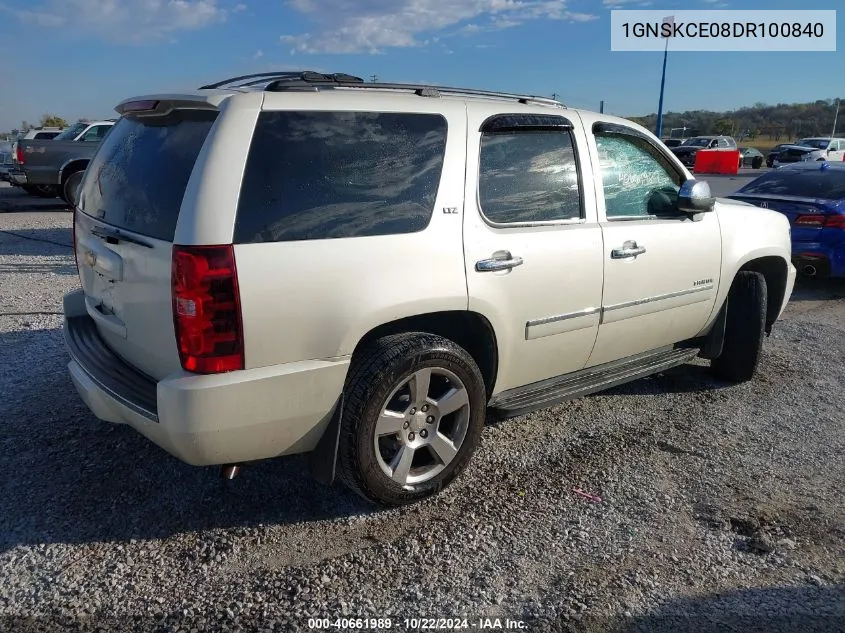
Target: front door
[(661, 267), (532, 243)]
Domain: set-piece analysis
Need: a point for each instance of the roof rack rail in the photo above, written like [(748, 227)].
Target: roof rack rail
[(315, 81), (302, 75)]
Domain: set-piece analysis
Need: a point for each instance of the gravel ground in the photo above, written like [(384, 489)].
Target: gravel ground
[(721, 506)]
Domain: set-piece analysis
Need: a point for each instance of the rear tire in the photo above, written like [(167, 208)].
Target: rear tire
[(758, 162), (744, 328), (414, 410)]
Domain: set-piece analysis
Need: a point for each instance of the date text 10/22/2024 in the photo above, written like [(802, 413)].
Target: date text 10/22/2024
[(416, 624)]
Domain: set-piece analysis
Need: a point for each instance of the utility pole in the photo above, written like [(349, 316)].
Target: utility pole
[(835, 118), (601, 107), (671, 21)]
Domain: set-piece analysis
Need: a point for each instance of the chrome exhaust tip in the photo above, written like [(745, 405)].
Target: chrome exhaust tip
[(810, 270), (230, 471)]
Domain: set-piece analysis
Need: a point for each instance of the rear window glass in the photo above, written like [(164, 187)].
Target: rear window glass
[(828, 185), (326, 175), (137, 179)]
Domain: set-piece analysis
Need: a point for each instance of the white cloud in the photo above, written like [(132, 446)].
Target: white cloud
[(258, 54), (238, 8), (354, 26), (123, 20)]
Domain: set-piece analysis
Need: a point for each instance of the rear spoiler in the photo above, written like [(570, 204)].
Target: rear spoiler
[(161, 105)]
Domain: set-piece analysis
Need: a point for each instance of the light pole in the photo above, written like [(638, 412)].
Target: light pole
[(666, 21), (835, 118)]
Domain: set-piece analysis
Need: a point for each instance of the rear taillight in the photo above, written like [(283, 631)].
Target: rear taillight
[(206, 309), (821, 221), (19, 154)]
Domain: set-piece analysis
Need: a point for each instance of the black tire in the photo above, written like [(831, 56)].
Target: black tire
[(758, 162), (71, 182), (41, 191), (376, 373), (744, 328)]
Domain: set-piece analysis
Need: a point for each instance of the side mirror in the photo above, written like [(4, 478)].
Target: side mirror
[(694, 197)]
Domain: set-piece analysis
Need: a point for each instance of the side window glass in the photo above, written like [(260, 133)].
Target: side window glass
[(528, 176), (327, 175), (94, 134), (638, 181)]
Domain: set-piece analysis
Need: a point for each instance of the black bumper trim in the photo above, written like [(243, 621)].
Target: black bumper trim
[(113, 375)]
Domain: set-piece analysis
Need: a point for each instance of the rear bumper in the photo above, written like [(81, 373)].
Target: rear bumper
[(17, 177), (825, 260), (206, 420)]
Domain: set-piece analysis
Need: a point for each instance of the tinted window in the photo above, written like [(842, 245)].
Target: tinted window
[(829, 184), (138, 176), (818, 143), (637, 179), (326, 175), (46, 135), (528, 176)]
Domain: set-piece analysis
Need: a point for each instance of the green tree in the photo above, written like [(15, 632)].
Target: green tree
[(53, 120), (724, 126)]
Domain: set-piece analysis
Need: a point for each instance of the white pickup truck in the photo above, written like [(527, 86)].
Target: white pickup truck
[(298, 262)]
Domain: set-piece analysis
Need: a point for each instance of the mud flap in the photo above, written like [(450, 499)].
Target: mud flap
[(322, 461), (715, 339)]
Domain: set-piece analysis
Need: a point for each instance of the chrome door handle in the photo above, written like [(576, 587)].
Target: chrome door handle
[(500, 261), (628, 249)]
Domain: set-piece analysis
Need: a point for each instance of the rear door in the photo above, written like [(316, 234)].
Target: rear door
[(129, 203), (532, 245)]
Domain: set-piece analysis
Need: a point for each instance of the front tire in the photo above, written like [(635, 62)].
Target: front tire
[(744, 328), (414, 410)]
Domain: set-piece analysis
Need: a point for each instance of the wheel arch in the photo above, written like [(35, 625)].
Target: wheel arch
[(775, 270), (470, 330), (72, 166)]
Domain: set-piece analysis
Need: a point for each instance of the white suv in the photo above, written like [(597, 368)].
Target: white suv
[(294, 263)]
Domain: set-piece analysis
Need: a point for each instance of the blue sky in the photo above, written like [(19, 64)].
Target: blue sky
[(78, 58)]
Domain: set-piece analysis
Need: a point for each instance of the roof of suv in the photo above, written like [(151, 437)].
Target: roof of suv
[(308, 81)]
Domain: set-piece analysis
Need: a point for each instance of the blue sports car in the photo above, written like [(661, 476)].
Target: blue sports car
[(812, 196)]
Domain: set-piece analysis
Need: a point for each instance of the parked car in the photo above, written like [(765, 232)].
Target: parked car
[(770, 157), (54, 168), (812, 197), (42, 133), (687, 150), (672, 142), (833, 149), (798, 154), (385, 264), (6, 165), (751, 157)]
